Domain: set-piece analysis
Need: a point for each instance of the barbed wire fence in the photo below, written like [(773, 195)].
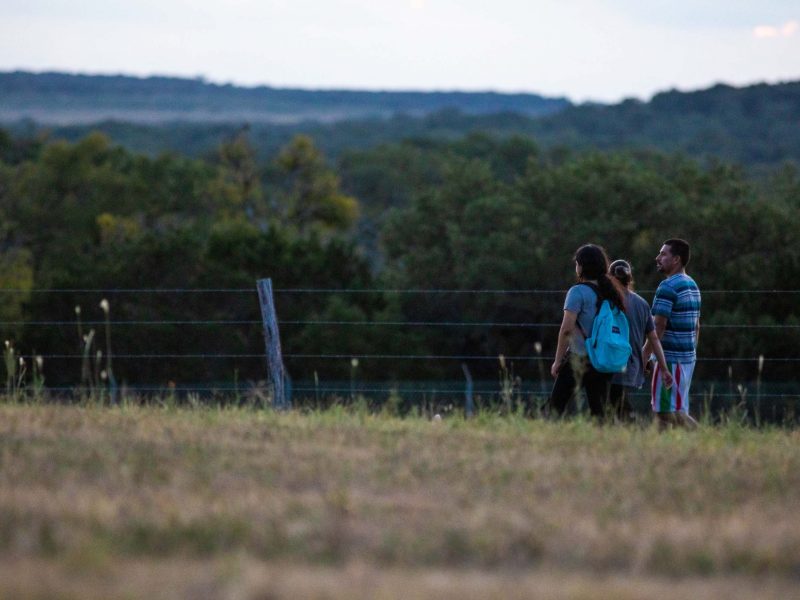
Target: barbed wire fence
[(456, 389)]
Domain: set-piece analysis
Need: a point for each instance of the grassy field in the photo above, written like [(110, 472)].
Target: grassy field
[(135, 502)]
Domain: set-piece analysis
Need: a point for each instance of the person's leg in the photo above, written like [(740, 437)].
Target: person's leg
[(682, 386), (661, 400), (686, 420), (671, 405), (598, 388), (563, 389), (619, 403), (666, 420)]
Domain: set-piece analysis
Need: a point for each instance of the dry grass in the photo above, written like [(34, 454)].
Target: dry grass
[(165, 503)]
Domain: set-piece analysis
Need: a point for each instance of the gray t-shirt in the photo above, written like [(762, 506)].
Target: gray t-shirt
[(582, 300), (640, 323)]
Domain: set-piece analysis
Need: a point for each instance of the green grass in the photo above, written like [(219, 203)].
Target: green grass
[(96, 496)]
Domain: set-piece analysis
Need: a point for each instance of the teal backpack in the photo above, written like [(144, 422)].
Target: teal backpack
[(608, 346)]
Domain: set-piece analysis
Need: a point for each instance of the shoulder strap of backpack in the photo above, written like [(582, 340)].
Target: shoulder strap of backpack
[(595, 289), (598, 304)]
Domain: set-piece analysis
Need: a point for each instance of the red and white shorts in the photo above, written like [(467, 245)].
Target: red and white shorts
[(676, 398)]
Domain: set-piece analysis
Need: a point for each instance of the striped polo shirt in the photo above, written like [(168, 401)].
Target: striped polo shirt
[(678, 299)]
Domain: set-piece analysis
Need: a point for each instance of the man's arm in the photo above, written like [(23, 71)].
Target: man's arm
[(649, 347), (655, 343), (661, 326), (697, 333)]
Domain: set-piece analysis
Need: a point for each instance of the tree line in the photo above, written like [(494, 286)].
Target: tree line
[(472, 214)]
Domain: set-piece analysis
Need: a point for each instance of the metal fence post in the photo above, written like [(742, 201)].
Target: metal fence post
[(272, 340), (469, 407), (287, 388)]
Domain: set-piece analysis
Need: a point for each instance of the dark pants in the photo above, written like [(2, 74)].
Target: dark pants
[(577, 372), (620, 403)]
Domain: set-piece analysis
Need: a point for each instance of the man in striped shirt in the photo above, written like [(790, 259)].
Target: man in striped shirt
[(676, 312)]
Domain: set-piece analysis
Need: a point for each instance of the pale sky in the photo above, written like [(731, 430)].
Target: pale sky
[(605, 50)]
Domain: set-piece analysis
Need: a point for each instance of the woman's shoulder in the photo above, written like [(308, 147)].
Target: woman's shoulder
[(633, 299), (582, 289), (580, 297)]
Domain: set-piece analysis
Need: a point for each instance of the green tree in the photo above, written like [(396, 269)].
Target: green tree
[(309, 195), (239, 184)]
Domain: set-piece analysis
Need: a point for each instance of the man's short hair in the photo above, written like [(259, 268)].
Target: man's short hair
[(680, 248)]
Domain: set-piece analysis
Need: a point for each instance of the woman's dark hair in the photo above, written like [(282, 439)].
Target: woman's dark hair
[(593, 261), (622, 271)]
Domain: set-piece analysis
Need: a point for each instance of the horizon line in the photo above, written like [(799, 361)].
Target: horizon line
[(204, 79)]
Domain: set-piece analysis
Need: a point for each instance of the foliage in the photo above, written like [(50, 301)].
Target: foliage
[(310, 194), (91, 215), (473, 231), (477, 213)]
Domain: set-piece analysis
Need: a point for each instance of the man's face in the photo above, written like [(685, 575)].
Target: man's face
[(666, 261)]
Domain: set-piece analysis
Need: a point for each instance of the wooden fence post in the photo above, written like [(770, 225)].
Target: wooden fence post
[(272, 340)]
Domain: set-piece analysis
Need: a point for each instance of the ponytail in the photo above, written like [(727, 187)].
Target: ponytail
[(611, 289)]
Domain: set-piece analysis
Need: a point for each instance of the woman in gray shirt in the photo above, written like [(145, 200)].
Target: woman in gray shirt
[(640, 326)]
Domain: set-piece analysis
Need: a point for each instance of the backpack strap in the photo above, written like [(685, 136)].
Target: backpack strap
[(598, 304), (595, 289)]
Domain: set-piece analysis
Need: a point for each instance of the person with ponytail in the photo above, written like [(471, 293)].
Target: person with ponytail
[(640, 326), (571, 368)]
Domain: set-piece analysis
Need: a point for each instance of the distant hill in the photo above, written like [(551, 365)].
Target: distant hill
[(65, 99), (753, 125), (757, 126)]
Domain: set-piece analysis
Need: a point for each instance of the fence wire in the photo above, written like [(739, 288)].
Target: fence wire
[(146, 323), (201, 322), (340, 291)]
